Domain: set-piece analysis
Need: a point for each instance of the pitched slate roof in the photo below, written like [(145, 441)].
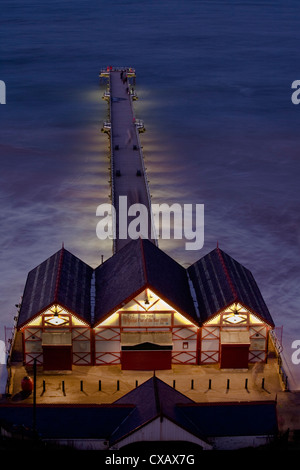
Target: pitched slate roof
[(154, 398), (140, 264), (63, 278), (219, 281)]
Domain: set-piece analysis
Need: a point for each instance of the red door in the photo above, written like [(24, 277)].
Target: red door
[(57, 357), (146, 360), (234, 356)]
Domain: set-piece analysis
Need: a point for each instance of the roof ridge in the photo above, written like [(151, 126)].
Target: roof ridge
[(231, 285), (156, 395), (58, 273), (144, 261)]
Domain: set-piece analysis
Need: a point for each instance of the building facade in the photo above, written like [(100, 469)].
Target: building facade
[(142, 310)]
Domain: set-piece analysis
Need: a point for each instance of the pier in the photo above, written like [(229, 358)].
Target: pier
[(140, 327), (128, 180)]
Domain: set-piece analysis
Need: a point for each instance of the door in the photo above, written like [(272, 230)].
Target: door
[(146, 350), (57, 357), (146, 360), (234, 356)]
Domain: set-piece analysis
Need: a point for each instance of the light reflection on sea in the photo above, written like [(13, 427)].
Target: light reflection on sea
[(213, 82)]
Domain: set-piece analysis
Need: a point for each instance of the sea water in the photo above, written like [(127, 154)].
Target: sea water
[(214, 85)]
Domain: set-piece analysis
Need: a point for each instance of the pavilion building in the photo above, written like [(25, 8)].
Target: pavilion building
[(143, 310)]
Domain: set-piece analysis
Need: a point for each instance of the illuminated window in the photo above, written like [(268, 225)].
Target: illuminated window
[(234, 319), (56, 316), (56, 320)]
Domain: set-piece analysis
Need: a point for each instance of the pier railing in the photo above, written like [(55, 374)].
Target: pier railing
[(117, 68), (278, 348), (105, 73), (139, 124), (112, 173), (9, 342)]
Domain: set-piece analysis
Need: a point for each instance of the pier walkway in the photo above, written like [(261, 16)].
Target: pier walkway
[(128, 176)]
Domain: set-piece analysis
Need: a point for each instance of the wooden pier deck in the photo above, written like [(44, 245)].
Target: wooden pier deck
[(128, 175)]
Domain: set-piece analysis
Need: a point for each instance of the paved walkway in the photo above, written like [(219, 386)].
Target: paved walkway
[(200, 383), (128, 172)]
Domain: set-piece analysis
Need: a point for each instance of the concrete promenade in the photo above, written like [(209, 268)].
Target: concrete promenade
[(210, 384)]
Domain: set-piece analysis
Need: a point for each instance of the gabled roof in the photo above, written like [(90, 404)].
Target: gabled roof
[(154, 398), (138, 265), (64, 279), (219, 281)]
